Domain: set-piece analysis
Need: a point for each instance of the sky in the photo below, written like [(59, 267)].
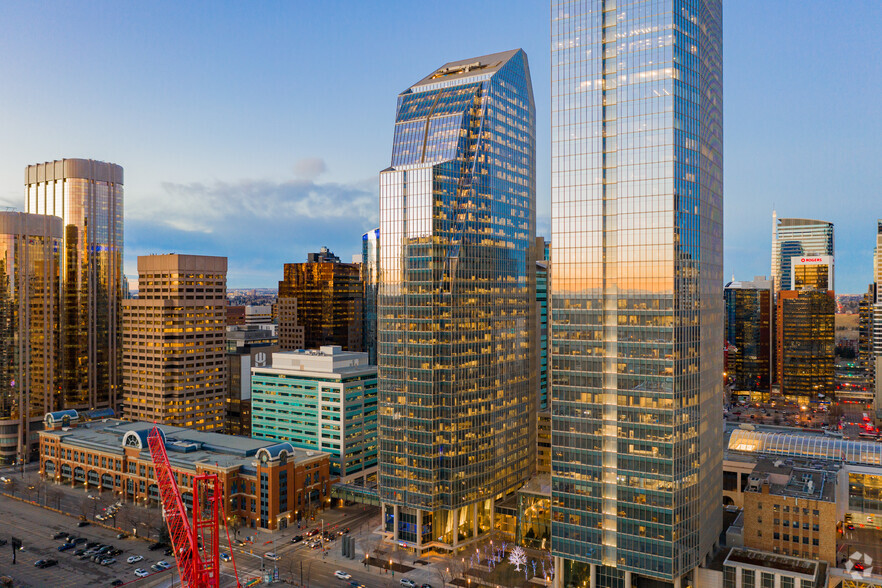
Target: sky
[(257, 130)]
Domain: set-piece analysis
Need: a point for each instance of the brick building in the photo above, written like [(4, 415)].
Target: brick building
[(269, 485), (791, 510)]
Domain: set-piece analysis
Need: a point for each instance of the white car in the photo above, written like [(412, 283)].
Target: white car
[(142, 573), (272, 556), (342, 575), (163, 564), (134, 559)]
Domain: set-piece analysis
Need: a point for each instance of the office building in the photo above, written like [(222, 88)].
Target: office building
[(266, 485), (174, 342), (30, 246), (325, 400), (247, 346), (636, 290), (370, 270), (797, 237), (235, 315), (876, 314), (749, 331), (807, 344), (329, 303), (457, 302), (88, 196), (811, 273), (542, 249), (291, 333)]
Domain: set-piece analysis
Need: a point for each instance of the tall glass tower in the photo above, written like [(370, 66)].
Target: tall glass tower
[(370, 274), (88, 196), (456, 308), (636, 290), (797, 237)]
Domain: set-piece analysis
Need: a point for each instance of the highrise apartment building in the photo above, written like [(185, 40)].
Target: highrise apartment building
[(749, 333), (636, 290), (329, 302), (457, 304), (88, 196), (174, 342), (797, 237), (30, 246), (370, 275)]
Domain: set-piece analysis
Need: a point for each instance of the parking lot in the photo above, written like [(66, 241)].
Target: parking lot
[(35, 527)]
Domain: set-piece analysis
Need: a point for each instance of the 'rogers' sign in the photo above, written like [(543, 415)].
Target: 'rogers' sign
[(810, 260)]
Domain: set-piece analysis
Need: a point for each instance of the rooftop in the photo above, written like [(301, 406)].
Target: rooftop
[(784, 478), (466, 68), (791, 565), (807, 446), (186, 448), (328, 361)]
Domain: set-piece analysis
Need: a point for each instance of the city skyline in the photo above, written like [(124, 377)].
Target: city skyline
[(191, 182)]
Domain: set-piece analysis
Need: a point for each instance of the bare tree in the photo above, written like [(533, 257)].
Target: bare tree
[(53, 495), (443, 574)]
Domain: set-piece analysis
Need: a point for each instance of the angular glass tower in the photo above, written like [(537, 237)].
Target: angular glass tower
[(456, 307), (636, 290)]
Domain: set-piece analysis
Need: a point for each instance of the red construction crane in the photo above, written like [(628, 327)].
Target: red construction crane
[(195, 544)]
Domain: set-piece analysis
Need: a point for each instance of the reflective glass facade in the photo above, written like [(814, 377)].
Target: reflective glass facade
[(30, 246), (88, 196), (636, 287), (806, 344), (797, 237), (749, 331), (329, 303), (370, 275), (457, 302)]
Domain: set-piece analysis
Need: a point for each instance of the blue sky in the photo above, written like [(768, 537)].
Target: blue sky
[(256, 130)]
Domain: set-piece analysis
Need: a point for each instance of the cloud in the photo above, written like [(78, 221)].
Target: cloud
[(257, 224), (310, 168)]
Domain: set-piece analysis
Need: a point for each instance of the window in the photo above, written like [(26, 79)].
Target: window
[(776, 535), (748, 578), (767, 579), (728, 577), (816, 513), (815, 542)]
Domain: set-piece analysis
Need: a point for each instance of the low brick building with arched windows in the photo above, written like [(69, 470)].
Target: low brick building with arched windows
[(266, 483)]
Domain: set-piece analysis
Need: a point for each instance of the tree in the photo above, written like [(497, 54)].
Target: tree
[(53, 495), (444, 574), (235, 523), (517, 557)]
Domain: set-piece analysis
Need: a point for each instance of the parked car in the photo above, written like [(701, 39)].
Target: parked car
[(79, 552), (134, 559), (39, 563), (157, 568), (426, 586), (114, 552), (342, 575), (107, 561), (117, 582), (156, 546), (77, 540), (408, 582), (92, 544), (83, 524), (122, 536), (66, 546), (60, 535), (141, 573), (163, 564)]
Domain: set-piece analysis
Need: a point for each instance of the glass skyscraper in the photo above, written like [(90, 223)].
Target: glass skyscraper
[(88, 196), (797, 237), (370, 275), (29, 355), (636, 290), (749, 319), (456, 308)]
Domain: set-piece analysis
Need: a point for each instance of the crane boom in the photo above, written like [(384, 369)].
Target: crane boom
[(195, 545)]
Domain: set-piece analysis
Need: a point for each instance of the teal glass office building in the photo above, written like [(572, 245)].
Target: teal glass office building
[(456, 306), (323, 399), (636, 290)]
